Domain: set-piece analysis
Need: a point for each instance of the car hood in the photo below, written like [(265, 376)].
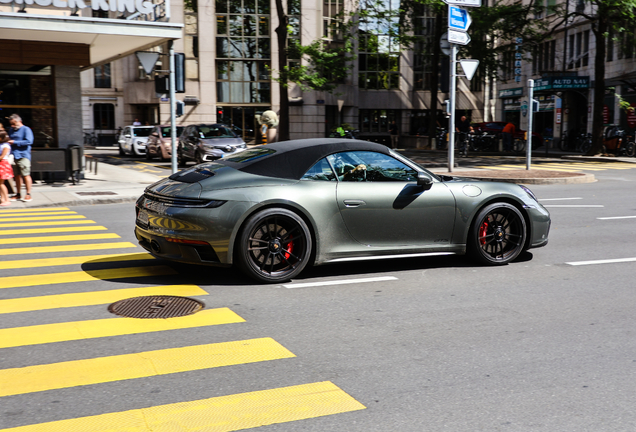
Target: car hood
[(206, 178), (222, 142)]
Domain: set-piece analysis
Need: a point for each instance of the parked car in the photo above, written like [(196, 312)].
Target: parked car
[(496, 127), (274, 209), (159, 143), (133, 140), (208, 142)]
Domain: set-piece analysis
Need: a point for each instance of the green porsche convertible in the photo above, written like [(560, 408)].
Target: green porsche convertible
[(274, 209)]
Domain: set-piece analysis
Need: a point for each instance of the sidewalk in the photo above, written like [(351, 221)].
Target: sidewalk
[(114, 184), (111, 184)]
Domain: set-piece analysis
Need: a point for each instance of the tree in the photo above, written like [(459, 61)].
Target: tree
[(605, 17)]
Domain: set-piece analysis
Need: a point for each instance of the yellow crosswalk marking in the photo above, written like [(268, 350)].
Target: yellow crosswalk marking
[(38, 218), (51, 230), (65, 248), (218, 414), (6, 215), (44, 223), (92, 298), (68, 331), (33, 210), (145, 364), (51, 262), (84, 276), (58, 238)]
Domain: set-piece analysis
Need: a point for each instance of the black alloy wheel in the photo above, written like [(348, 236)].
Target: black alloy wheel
[(498, 234), (274, 246), (121, 151)]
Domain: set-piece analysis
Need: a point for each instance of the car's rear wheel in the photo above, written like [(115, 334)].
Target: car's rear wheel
[(274, 246), (121, 151), (498, 234)]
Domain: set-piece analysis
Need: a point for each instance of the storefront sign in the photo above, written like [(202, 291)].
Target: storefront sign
[(562, 83), (132, 6), (631, 116), (511, 92), (606, 114)]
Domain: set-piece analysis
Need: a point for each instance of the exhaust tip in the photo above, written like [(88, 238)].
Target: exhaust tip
[(155, 246)]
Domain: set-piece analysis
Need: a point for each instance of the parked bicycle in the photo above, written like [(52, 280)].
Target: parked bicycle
[(483, 142), (90, 139), (441, 138)]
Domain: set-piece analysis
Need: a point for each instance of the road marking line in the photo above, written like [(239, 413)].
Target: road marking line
[(218, 414), (617, 217), (340, 282), (575, 206), (559, 199), (39, 224), (91, 329), (84, 276), (7, 215), (32, 210), (52, 262), (52, 230), (42, 218), (140, 365), (607, 261), (58, 301), (58, 238), (65, 248)]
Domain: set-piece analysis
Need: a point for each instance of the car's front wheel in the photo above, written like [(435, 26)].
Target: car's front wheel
[(274, 246), (498, 234), (181, 163), (121, 150)]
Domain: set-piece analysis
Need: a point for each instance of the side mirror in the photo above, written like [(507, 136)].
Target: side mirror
[(423, 179)]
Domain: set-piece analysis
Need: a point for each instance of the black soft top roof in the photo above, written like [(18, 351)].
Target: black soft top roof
[(292, 159)]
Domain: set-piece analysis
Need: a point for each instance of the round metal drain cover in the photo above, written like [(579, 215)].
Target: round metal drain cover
[(156, 307)]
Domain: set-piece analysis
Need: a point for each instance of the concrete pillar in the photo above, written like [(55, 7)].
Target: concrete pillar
[(68, 99)]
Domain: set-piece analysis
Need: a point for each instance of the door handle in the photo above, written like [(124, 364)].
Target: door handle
[(354, 203)]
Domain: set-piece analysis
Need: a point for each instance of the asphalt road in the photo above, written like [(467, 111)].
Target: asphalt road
[(440, 344)]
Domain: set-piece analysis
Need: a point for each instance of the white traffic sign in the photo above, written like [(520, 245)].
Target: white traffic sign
[(444, 45), (458, 37), (147, 60), (471, 3), (469, 66), (458, 18)]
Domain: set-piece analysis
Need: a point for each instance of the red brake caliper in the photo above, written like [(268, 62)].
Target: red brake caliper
[(290, 247), (483, 229)]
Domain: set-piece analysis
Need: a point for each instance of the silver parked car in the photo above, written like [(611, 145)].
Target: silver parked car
[(207, 142), (274, 209)]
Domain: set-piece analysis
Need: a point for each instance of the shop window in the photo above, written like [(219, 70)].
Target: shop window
[(377, 121), (102, 76), (103, 116)]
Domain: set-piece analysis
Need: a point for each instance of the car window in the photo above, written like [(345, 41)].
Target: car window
[(370, 167), (165, 131), (321, 171), (214, 131), (142, 132)]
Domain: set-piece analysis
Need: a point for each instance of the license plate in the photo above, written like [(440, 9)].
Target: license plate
[(142, 218)]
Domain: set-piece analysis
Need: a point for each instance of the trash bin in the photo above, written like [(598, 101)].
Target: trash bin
[(57, 163)]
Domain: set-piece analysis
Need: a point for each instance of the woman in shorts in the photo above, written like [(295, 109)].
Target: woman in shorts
[(6, 170)]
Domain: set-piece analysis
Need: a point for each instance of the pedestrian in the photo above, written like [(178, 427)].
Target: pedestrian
[(6, 171), (21, 142), (507, 134), (136, 122), (395, 134)]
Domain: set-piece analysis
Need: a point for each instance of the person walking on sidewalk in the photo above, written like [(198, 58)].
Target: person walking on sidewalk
[(21, 142), (395, 134), (6, 171), (507, 134)]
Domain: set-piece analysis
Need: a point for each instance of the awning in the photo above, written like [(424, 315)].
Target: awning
[(108, 39)]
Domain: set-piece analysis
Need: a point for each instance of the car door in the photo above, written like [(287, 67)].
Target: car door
[(382, 205)]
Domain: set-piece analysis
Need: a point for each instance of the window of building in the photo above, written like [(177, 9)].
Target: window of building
[(102, 76), (243, 51), (544, 57), (424, 28), (379, 49), (103, 116), (377, 121), (332, 11), (579, 46)]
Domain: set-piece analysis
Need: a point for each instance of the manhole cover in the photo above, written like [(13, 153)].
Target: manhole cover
[(156, 307)]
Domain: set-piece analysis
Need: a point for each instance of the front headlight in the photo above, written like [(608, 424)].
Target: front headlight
[(529, 192)]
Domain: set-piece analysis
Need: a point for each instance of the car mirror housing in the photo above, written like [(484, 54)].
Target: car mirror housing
[(424, 179)]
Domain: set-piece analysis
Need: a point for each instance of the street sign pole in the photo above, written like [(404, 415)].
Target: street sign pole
[(530, 116), (173, 108), (451, 119)]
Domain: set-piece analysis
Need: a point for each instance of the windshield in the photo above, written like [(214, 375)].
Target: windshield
[(165, 131), (142, 132), (215, 131)]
